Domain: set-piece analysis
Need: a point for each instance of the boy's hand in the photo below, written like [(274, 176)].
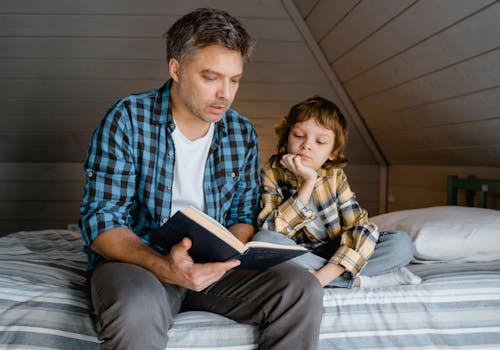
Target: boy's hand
[(293, 163), (328, 273), (306, 175)]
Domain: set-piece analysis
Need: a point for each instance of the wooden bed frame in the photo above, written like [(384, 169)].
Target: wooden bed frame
[(476, 190)]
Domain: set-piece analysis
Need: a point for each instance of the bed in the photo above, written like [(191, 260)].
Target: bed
[(44, 304)]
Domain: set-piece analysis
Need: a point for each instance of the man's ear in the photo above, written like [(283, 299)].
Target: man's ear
[(174, 69)]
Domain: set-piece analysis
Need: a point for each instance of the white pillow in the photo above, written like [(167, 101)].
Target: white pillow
[(448, 233)]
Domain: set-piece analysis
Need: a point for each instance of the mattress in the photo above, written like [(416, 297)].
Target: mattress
[(44, 305)]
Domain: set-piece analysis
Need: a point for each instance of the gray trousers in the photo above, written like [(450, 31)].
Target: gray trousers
[(134, 310)]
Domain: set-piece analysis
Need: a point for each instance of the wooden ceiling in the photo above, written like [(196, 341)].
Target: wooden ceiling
[(424, 75)]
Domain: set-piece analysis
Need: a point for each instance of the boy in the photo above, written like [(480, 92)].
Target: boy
[(306, 200)]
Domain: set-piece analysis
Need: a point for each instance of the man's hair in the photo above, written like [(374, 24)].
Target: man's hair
[(204, 27), (328, 115)]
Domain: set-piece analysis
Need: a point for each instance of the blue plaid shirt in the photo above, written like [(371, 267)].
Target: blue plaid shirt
[(130, 169)]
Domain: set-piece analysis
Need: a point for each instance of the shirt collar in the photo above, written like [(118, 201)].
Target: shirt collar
[(161, 110)]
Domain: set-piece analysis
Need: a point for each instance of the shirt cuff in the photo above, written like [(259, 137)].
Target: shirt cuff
[(349, 259)]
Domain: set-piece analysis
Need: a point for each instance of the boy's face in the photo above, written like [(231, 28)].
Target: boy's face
[(312, 142), (206, 83)]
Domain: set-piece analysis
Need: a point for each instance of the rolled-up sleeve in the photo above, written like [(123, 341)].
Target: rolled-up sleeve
[(281, 212), (110, 177)]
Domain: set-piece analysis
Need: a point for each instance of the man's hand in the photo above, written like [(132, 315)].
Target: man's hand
[(179, 268), (121, 244)]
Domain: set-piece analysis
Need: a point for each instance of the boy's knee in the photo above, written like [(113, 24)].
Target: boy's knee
[(402, 246), (272, 237)]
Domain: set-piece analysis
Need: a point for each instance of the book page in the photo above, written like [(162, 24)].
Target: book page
[(215, 227), (274, 245)]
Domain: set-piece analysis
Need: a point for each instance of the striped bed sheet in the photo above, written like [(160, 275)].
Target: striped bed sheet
[(44, 305)]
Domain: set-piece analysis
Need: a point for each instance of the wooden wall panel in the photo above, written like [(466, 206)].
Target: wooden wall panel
[(364, 182), (250, 8), (476, 106), (81, 69), (348, 34), (39, 195), (413, 187), (421, 23), (326, 15), (443, 137), (132, 49), (482, 155), (306, 6), (480, 72), (123, 26)]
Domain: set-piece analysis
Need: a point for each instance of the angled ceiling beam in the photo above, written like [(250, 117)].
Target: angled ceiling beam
[(346, 101)]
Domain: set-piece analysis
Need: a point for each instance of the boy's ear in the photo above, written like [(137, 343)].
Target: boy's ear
[(332, 155)]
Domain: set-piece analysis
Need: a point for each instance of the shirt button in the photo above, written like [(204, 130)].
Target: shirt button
[(171, 153), (172, 125), (169, 187), (164, 220), (90, 174), (233, 174)]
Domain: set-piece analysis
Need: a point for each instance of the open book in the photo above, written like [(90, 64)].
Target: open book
[(212, 242)]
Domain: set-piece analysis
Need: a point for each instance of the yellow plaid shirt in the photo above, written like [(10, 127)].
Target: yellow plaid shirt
[(282, 211)]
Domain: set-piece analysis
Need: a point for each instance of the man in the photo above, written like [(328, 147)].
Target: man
[(160, 151)]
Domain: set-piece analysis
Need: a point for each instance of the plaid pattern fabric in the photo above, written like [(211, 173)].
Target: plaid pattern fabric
[(130, 165), (282, 211)]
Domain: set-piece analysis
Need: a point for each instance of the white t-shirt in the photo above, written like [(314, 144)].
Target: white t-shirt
[(189, 170)]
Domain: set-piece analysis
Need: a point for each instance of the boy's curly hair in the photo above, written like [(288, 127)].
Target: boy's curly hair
[(328, 115)]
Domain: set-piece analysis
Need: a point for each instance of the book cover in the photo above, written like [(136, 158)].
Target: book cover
[(212, 242)]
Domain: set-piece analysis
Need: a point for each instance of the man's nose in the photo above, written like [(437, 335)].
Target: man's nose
[(224, 90)]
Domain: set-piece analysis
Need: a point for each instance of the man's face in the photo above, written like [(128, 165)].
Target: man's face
[(206, 83)]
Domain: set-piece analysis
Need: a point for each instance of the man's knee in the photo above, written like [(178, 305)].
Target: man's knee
[(312, 291), (138, 306), (305, 287), (132, 307)]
